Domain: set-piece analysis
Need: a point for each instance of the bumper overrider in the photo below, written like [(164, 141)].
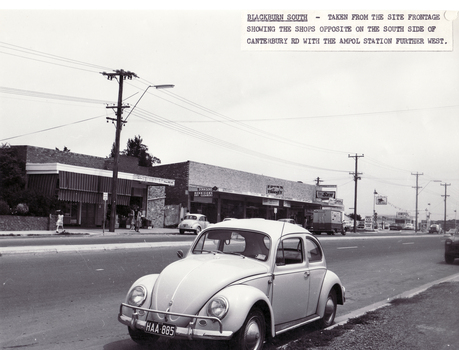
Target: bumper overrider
[(189, 332)]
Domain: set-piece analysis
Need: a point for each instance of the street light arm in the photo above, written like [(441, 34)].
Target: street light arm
[(166, 86), (427, 184)]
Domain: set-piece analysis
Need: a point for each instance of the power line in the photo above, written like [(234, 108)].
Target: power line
[(38, 94), (52, 128), (148, 116)]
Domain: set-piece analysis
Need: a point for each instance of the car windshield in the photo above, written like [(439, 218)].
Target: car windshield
[(239, 242)]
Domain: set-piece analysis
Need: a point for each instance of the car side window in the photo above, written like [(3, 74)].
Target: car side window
[(313, 250), (290, 251)]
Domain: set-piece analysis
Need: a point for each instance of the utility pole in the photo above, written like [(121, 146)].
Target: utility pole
[(122, 75), (356, 178), (444, 218), (318, 181), (417, 193)]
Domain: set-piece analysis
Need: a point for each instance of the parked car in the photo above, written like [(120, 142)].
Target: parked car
[(434, 228), (193, 223), (452, 247), (241, 281), (408, 227), (395, 227)]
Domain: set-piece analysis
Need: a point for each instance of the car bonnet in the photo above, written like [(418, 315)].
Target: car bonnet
[(186, 285)]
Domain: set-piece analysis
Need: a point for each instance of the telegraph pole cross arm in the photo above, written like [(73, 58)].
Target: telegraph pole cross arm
[(121, 75)]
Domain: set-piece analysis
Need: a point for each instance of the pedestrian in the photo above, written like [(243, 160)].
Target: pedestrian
[(138, 221), (132, 220), (60, 221)]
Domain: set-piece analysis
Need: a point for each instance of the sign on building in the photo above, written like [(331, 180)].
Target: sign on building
[(325, 194), (275, 190)]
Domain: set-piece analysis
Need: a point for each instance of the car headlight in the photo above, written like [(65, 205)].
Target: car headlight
[(218, 307), (137, 296)]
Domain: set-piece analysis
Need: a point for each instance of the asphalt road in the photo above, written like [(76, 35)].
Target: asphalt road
[(70, 300)]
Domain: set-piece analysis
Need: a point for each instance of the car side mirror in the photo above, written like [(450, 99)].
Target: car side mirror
[(180, 254)]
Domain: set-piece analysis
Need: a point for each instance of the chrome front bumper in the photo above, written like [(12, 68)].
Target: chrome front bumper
[(189, 332)]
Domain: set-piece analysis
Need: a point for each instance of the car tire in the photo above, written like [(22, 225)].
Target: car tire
[(142, 338), (181, 232), (330, 310), (252, 334), (449, 259), (198, 230)]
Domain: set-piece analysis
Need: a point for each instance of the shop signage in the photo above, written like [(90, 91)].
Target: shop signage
[(325, 194), (381, 200), (335, 201), (273, 202), (275, 190), (156, 180), (402, 214), (203, 192)]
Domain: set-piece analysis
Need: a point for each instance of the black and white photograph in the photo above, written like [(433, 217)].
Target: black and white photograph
[(250, 175)]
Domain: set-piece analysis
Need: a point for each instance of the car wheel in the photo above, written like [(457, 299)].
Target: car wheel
[(449, 259), (330, 310), (142, 338), (182, 232), (198, 229), (343, 233), (251, 336)]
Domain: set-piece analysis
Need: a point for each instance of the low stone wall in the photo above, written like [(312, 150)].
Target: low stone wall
[(26, 223)]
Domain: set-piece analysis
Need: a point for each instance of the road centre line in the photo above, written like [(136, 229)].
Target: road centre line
[(408, 243), (353, 247)]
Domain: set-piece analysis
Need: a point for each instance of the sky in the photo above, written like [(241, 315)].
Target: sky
[(294, 115)]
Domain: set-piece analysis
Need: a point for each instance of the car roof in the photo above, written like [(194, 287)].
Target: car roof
[(275, 229)]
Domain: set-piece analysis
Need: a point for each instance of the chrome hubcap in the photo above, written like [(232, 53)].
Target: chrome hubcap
[(252, 334)]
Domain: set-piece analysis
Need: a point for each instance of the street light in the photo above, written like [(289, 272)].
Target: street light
[(164, 86), (119, 124)]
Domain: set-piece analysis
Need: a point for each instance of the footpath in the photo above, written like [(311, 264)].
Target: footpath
[(63, 246)]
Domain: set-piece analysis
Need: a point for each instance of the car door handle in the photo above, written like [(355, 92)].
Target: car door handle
[(306, 274)]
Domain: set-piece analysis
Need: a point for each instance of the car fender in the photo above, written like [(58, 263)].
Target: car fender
[(331, 281), (241, 299), (148, 281)]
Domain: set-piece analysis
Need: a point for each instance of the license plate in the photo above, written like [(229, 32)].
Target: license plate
[(164, 329)]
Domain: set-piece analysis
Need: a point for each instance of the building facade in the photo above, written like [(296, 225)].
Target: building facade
[(165, 193), (82, 184), (221, 193)]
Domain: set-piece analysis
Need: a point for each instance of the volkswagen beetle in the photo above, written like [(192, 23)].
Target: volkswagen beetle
[(194, 223), (241, 281)]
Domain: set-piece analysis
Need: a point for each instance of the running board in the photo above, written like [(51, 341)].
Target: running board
[(284, 327)]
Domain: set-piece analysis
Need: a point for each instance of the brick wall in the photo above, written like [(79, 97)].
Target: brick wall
[(247, 183), (45, 155), (179, 172), (26, 223)]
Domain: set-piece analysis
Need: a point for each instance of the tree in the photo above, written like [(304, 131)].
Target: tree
[(359, 218), (136, 148), (12, 174)]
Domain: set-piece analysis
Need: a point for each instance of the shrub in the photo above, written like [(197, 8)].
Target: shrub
[(4, 208), (22, 209)]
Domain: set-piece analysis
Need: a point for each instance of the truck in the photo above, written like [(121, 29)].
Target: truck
[(329, 221)]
